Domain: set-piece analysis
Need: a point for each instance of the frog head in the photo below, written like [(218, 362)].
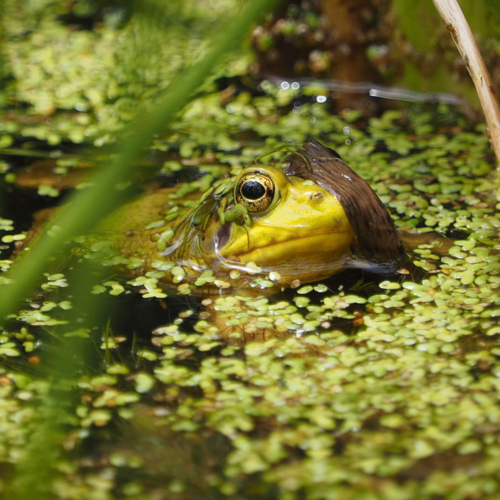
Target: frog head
[(305, 222)]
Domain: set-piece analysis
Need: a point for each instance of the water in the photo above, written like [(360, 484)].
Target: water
[(363, 382)]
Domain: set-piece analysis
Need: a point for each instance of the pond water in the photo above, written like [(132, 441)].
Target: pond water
[(117, 383), (375, 386)]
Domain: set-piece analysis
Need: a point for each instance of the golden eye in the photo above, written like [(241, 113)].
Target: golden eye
[(255, 191)]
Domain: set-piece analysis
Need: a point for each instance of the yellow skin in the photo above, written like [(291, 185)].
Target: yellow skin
[(303, 235)]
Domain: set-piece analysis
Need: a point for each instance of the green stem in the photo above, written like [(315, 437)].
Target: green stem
[(87, 208)]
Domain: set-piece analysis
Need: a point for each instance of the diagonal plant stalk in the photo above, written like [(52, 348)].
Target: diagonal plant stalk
[(86, 209), (457, 25)]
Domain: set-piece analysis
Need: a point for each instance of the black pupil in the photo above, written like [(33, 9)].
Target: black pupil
[(253, 190)]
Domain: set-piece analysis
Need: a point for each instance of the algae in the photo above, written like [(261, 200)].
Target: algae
[(375, 388)]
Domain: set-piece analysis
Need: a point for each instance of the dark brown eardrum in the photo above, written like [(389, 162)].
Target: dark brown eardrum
[(377, 239)]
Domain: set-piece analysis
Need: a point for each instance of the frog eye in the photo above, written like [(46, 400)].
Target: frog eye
[(255, 191)]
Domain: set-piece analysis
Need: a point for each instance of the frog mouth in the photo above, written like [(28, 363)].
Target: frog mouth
[(321, 247)]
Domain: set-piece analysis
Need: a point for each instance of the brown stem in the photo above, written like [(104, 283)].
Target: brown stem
[(457, 25)]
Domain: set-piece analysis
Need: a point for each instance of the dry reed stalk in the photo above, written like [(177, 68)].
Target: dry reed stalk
[(457, 25)]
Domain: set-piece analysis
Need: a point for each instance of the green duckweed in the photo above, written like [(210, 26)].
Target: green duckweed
[(388, 391)]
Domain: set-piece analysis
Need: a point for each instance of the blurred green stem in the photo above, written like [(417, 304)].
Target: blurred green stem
[(86, 209), (63, 361)]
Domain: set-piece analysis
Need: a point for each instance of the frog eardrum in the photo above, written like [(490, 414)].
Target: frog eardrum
[(376, 238)]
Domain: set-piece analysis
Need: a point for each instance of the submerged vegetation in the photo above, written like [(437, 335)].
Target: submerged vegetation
[(113, 385)]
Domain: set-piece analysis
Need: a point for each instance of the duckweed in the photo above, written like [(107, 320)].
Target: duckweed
[(385, 392)]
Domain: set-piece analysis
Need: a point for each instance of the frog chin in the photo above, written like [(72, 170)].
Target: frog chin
[(303, 255)]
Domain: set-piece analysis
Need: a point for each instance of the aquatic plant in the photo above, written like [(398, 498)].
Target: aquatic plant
[(87, 208), (372, 389)]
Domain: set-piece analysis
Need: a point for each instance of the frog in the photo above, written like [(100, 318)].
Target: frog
[(265, 229)]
